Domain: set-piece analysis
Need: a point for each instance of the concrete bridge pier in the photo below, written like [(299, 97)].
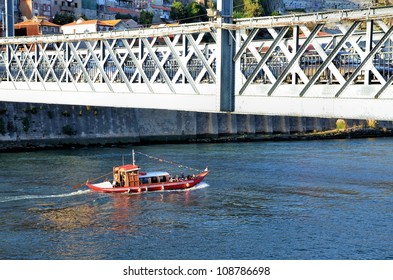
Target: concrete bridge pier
[(227, 124), (281, 125), (245, 124), (263, 124), (297, 124), (206, 125)]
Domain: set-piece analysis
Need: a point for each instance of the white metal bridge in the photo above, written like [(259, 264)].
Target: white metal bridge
[(331, 64)]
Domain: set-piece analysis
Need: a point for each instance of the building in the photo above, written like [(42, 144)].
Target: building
[(73, 7), (86, 26), (111, 12), (49, 8), (161, 12), (284, 6), (36, 26)]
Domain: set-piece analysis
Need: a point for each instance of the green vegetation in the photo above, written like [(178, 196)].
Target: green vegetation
[(68, 130), (248, 8), (10, 127), (2, 127), (32, 110), (26, 124), (66, 113), (193, 12), (146, 18), (126, 16), (63, 18), (372, 123), (341, 124)]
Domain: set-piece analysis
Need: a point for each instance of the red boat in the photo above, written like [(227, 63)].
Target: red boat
[(129, 179)]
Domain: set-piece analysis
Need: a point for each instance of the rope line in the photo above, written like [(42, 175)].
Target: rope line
[(166, 161)]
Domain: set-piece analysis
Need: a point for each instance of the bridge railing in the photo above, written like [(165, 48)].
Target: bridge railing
[(176, 58), (286, 56)]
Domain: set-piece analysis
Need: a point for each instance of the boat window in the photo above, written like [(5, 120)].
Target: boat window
[(162, 179), (144, 180), (154, 180)]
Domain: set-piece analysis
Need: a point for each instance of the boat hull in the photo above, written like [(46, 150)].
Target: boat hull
[(107, 187)]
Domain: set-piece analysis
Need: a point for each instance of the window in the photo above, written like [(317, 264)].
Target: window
[(76, 5), (45, 28), (154, 180), (144, 180), (162, 179)]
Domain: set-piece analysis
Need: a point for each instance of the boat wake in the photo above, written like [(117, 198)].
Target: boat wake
[(201, 185), (25, 197)]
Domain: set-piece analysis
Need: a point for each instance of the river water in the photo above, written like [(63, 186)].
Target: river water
[(264, 200)]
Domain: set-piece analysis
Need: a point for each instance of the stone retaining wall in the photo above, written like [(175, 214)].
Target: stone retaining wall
[(24, 125)]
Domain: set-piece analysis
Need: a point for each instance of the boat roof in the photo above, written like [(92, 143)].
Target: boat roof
[(128, 167), (154, 174)]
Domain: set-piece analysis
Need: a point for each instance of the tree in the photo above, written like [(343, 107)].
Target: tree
[(63, 18), (146, 17), (248, 8), (178, 11), (252, 8), (196, 12)]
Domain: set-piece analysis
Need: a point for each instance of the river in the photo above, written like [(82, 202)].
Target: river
[(329, 199)]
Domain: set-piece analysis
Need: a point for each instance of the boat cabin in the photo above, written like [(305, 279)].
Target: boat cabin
[(153, 178), (126, 176), (129, 176)]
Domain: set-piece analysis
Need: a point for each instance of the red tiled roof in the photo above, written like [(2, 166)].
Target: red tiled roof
[(92, 21), (157, 7), (123, 11), (40, 23)]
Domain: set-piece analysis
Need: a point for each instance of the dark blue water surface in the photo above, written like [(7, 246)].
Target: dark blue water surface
[(268, 200)]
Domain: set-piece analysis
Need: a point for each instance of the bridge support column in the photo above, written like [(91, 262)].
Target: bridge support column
[(263, 124), (226, 75), (206, 125), (9, 17), (227, 124)]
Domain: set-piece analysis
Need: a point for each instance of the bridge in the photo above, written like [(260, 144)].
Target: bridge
[(333, 64)]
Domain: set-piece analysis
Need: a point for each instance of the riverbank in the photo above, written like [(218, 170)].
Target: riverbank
[(25, 126)]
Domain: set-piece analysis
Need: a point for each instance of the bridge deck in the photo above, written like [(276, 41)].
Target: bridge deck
[(286, 65)]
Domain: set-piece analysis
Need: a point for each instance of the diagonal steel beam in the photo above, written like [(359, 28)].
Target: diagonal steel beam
[(264, 59), (258, 57), (288, 55), (118, 66), (321, 52), (330, 58), (384, 87), (377, 47), (246, 43), (98, 64), (15, 57), (362, 54), (158, 64), (78, 59), (138, 66), (295, 59), (184, 69), (51, 70), (201, 57), (66, 70)]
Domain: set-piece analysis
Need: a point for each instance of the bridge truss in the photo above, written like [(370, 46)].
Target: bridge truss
[(333, 64)]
